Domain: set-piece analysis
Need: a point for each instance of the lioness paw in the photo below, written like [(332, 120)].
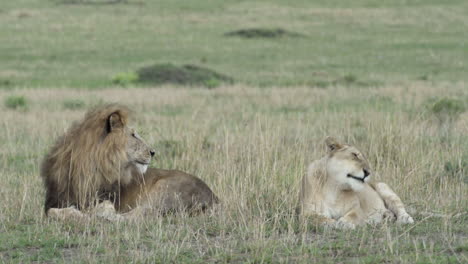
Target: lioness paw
[(388, 215), (341, 224), (405, 218)]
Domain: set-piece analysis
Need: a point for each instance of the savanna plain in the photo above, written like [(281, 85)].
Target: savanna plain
[(387, 76)]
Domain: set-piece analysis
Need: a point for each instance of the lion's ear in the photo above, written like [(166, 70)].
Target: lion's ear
[(114, 122), (332, 144)]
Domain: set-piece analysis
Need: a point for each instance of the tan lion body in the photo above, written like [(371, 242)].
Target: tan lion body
[(99, 167), (166, 191), (338, 188)]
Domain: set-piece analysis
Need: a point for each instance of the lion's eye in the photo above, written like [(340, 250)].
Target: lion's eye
[(355, 155), (133, 134)]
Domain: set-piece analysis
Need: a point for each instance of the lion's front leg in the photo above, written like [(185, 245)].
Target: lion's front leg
[(394, 203), (104, 210)]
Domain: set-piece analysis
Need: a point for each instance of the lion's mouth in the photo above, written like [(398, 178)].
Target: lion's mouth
[(357, 178), (142, 162)]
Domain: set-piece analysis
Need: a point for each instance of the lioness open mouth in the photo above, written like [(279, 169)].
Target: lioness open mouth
[(141, 162), (356, 178)]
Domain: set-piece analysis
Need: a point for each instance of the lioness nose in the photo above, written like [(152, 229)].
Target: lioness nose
[(366, 172), (152, 153)]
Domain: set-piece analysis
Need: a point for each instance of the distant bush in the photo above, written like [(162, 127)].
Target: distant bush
[(125, 78), (183, 75), (349, 79), (90, 2), (16, 102), (73, 104), (262, 33)]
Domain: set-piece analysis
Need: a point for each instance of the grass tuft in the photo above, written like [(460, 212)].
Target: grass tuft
[(73, 104), (447, 108), (5, 83), (16, 102)]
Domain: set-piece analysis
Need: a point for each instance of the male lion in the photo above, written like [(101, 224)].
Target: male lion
[(101, 159), (338, 189)]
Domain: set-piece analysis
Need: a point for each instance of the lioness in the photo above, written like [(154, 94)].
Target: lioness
[(338, 189), (101, 164)]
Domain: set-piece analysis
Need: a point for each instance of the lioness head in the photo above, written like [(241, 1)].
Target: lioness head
[(346, 165), (138, 153)]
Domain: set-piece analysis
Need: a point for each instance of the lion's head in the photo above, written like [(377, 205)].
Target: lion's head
[(346, 165), (94, 158)]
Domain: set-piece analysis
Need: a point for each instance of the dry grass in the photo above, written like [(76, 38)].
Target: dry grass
[(252, 146)]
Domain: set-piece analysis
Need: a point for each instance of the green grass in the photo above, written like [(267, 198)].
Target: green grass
[(388, 76), (48, 44)]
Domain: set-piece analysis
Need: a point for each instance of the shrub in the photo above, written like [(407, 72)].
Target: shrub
[(125, 78), (182, 75), (446, 109), (457, 168), (16, 102)]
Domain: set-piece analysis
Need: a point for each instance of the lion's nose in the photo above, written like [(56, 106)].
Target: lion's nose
[(366, 172), (152, 153)]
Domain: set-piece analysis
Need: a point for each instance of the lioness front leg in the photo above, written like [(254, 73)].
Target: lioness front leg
[(394, 203)]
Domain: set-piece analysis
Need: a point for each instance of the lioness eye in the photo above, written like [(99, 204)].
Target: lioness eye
[(355, 155)]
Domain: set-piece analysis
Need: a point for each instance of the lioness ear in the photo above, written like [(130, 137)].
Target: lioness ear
[(332, 144), (114, 122)]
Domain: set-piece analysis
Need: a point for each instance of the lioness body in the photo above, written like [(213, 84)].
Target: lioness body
[(338, 188), (335, 204)]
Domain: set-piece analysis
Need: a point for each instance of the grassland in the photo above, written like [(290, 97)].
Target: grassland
[(368, 72), (51, 44)]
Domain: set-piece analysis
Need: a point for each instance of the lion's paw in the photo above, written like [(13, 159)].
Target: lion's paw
[(66, 214), (405, 218), (106, 210)]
